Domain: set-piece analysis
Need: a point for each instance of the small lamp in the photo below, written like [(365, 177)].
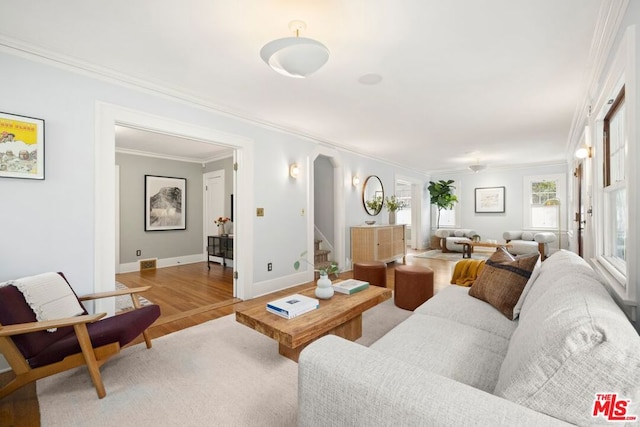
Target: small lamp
[(583, 152), (294, 170), (355, 181)]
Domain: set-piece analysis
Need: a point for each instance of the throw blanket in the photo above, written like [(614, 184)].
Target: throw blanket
[(466, 271), (49, 296)]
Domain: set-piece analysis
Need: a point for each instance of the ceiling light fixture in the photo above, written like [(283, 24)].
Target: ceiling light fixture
[(477, 167), (297, 56)]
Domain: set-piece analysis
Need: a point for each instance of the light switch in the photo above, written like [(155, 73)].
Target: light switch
[(260, 212)]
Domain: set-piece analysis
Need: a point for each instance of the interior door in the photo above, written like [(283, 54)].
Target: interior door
[(579, 213), (214, 196)]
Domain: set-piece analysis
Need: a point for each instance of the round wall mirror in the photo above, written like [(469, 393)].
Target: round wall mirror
[(372, 195)]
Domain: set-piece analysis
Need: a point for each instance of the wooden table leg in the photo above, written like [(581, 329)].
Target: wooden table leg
[(350, 330), (466, 250)]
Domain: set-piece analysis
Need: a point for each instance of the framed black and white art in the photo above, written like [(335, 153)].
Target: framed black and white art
[(165, 203)]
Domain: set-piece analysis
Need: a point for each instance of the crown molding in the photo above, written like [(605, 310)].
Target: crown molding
[(610, 18)]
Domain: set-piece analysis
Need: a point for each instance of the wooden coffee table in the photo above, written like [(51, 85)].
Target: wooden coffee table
[(467, 247), (341, 315)]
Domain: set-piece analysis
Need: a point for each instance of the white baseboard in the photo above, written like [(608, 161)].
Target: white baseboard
[(165, 262), (268, 286)]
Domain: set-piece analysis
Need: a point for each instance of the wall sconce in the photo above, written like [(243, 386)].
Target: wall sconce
[(583, 152), (355, 181), (294, 170)]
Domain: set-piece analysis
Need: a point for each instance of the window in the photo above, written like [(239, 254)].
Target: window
[(615, 186), (543, 201), (403, 194)]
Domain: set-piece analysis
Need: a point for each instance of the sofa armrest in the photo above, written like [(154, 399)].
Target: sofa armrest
[(344, 383), (544, 237), (512, 235), (443, 233)]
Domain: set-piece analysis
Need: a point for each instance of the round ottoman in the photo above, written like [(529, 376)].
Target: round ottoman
[(413, 286), (374, 272)]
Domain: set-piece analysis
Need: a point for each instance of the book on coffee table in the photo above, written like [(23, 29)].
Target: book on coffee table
[(350, 286), (292, 305)]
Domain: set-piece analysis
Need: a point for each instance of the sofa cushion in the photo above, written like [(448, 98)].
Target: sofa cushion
[(454, 303), (448, 348), (527, 235), (501, 283), (571, 343), (534, 276)]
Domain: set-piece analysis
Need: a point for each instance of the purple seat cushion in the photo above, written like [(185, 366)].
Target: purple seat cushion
[(122, 328)]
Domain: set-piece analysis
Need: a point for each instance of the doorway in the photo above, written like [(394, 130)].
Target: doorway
[(334, 222), (107, 117), (180, 254)]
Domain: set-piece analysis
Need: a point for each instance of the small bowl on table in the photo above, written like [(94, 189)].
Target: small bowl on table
[(370, 222)]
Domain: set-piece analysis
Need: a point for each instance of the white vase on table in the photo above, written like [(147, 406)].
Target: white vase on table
[(324, 287)]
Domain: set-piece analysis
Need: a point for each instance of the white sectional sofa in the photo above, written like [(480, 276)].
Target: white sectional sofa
[(458, 361), (449, 237), (527, 242)]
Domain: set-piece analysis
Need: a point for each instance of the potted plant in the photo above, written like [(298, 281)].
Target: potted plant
[(324, 288), (393, 204), (442, 196), (375, 204), (220, 222)]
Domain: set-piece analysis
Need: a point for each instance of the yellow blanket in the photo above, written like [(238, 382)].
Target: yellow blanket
[(466, 271)]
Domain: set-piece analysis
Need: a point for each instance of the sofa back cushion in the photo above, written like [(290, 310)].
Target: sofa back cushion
[(572, 342)]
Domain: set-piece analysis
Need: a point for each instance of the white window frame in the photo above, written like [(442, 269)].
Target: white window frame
[(561, 194), (623, 282)]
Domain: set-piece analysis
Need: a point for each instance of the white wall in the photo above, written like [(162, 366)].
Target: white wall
[(52, 221), (492, 225)]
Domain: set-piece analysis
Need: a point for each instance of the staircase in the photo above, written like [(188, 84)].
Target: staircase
[(320, 256)]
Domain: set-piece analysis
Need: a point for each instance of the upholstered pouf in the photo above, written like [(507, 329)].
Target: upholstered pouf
[(374, 272), (413, 286)]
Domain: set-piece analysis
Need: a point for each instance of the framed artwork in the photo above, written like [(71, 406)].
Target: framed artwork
[(21, 147), (490, 199), (165, 203)]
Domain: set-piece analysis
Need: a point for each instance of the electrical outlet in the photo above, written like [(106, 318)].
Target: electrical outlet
[(269, 266), (138, 252)]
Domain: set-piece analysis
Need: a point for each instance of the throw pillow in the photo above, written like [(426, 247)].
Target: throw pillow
[(502, 281)]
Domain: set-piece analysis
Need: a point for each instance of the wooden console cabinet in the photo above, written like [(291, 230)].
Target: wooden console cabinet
[(384, 243)]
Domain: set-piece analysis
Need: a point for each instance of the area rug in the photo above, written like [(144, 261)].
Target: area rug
[(450, 256), (123, 302), (219, 373)]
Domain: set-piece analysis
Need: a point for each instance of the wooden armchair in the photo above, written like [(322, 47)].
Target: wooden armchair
[(87, 339)]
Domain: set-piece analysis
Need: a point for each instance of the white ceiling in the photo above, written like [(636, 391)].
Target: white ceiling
[(494, 81)]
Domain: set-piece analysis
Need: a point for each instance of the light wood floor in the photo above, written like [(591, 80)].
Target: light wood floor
[(187, 295)]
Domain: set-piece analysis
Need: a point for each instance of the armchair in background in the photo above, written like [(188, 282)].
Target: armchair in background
[(450, 237), (527, 242)]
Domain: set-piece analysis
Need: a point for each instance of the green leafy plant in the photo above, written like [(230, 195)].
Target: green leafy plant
[(324, 271), (375, 204), (393, 204), (442, 196)]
